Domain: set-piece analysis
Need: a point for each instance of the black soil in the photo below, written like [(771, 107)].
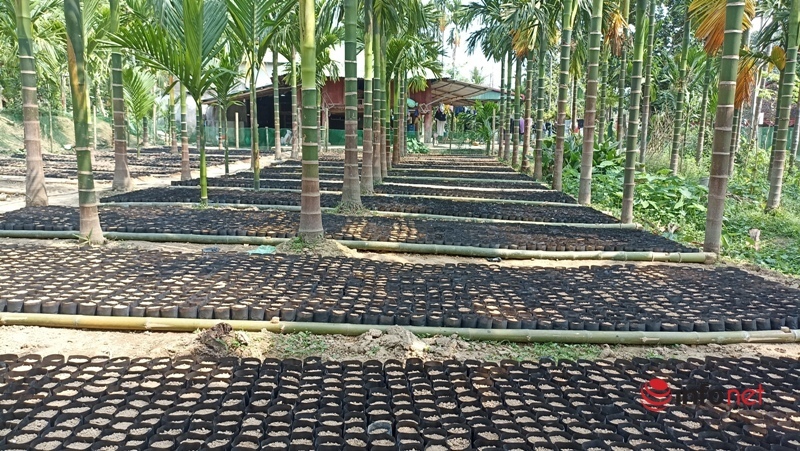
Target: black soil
[(338, 290), (446, 207), (55, 402), (274, 223)]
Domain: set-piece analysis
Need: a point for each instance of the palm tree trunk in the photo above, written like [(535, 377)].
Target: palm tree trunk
[(385, 112), (87, 196), (201, 148), (537, 159), (631, 147), (526, 143), (377, 139), (795, 141), (735, 135), (592, 74), (718, 179), (295, 120), (35, 191), (186, 172), (396, 126), (400, 120), (574, 108), (223, 120), (351, 189), (145, 132), (367, 138), (173, 135), (623, 73), (310, 228), (507, 135), (503, 103), (701, 135), (563, 93), (601, 110), (403, 115), (785, 92), (276, 104), (648, 79), (681, 88), (517, 112), (122, 175), (255, 154), (752, 132)]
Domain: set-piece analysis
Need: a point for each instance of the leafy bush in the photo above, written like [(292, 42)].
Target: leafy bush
[(416, 146)]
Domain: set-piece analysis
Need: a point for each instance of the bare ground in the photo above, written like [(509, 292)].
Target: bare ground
[(395, 344)]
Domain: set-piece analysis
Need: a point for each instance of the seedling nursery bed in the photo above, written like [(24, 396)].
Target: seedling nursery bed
[(276, 172), (81, 402), (446, 207), (283, 224), (304, 288), (506, 192), (65, 166), (334, 181)]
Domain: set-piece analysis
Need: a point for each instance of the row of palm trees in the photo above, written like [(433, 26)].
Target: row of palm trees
[(198, 43), (593, 34)]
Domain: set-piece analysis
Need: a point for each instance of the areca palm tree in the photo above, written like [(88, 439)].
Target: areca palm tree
[(310, 228), (648, 79), (138, 95), (569, 9), (680, 88), (184, 41), (367, 179), (592, 79), (35, 191), (249, 24), (351, 190), (87, 196), (718, 180), (122, 176), (224, 86), (631, 145), (785, 94)]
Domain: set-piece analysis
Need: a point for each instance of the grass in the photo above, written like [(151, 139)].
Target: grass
[(301, 344), (536, 351)]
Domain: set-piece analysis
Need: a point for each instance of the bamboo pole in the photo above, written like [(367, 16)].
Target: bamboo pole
[(398, 214), (457, 179), (236, 127), (784, 335), (465, 251)]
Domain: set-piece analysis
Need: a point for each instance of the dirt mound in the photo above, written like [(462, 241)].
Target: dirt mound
[(221, 341), (324, 248)]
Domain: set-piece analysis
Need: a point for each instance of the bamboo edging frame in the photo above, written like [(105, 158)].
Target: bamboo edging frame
[(785, 335), (398, 214), (382, 246), (404, 178)]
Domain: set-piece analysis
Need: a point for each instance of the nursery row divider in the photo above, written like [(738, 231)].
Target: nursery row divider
[(785, 335), (460, 179), (382, 246), (399, 214)]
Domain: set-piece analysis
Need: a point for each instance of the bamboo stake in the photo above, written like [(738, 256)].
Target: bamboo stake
[(784, 335), (466, 251)]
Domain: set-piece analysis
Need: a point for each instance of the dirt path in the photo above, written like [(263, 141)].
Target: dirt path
[(380, 346)]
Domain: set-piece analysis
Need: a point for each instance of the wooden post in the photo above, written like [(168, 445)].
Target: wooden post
[(236, 127)]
